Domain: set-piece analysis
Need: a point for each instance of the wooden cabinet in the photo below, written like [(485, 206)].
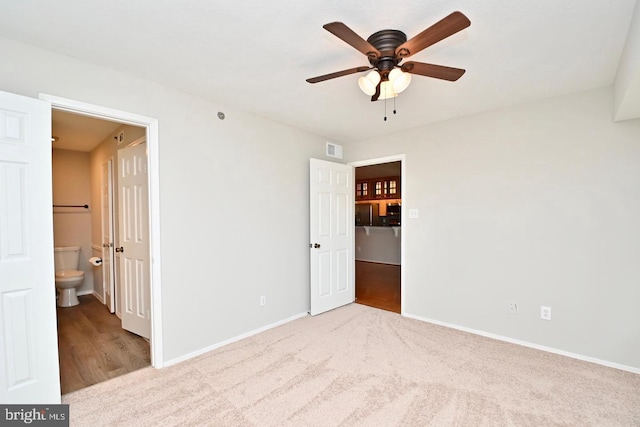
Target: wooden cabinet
[(378, 188), (363, 190)]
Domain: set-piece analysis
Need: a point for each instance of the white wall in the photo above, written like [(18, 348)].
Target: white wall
[(380, 244), (626, 89), (217, 256), (537, 204), (71, 183)]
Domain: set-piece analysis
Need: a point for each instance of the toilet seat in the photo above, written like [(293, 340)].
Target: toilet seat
[(68, 275)]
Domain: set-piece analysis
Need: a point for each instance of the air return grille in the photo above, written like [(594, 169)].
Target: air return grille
[(334, 150)]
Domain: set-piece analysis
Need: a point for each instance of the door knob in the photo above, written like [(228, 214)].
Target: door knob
[(316, 245), (120, 249)]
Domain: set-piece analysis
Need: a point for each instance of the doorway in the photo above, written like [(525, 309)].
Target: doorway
[(93, 342), (150, 126), (379, 240)]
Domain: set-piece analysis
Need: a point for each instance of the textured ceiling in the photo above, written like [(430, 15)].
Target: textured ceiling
[(255, 55)]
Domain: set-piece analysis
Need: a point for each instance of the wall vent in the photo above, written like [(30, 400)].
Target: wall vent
[(334, 150)]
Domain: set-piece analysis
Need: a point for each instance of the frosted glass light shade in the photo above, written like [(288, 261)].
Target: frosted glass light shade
[(399, 80), (386, 90), (369, 82)]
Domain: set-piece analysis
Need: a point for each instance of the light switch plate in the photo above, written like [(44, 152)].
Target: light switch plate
[(413, 213)]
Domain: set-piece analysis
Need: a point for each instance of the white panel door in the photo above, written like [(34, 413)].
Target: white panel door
[(331, 233), (108, 279), (29, 371), (133, 232)]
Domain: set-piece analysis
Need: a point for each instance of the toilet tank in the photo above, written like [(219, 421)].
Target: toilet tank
[(66, 258)]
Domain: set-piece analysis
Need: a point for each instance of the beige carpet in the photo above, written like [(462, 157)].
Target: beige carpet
[(359, 366)]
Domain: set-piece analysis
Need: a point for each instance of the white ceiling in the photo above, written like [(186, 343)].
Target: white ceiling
[(79, 133), (255, 55)]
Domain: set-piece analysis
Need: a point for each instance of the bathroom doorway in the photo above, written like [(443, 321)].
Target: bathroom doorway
[(100, 349)]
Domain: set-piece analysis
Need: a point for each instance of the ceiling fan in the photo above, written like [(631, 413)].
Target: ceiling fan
[(387, 48)]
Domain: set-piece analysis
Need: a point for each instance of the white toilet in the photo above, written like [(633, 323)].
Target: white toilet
[(68, 277)]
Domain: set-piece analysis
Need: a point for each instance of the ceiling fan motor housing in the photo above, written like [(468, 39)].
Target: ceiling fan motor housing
[(386, 41)]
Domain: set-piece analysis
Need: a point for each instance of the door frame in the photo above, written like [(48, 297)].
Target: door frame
[(402, 158), (151, 126), (111, 302)]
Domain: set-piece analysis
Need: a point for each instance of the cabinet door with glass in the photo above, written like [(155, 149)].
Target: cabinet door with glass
[(363, 190), (386, 188)]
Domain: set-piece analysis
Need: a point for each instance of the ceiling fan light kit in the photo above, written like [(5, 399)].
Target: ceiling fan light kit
[(386, 90), (399, 80), (396, 82), (386, 49), (369, 82)]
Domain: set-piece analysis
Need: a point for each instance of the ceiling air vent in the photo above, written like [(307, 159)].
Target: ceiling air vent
[(334, 150)]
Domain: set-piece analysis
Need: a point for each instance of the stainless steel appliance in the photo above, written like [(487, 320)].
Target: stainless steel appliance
[(393, 213), (367, 214)]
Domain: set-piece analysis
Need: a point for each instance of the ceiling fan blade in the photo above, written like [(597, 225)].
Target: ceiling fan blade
[(347, 35), (432, 70), (432, 35), (337, 74), (376, 95)]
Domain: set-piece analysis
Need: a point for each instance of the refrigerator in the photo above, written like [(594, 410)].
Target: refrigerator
[(367, 214)]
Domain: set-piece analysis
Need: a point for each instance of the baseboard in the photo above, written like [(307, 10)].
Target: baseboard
[(98, 297), (377, 262), (527, 344), (232, 340), (88, 292)]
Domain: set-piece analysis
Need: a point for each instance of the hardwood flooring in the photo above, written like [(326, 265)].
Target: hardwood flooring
[(378, 285), (93, 347)]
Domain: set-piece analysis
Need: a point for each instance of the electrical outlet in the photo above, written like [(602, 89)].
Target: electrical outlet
[(263, 300), (545, 313), (512, 308)]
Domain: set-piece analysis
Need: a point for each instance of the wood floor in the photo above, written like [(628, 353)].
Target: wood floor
[(93, 347), (378, 285)]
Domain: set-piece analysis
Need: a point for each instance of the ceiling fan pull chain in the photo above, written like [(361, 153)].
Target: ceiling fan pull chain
[(394, 104), (385, 109)]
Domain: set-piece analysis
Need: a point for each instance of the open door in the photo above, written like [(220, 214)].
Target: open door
[(331, 234), (28, 336), (133, 233), (108, 278)]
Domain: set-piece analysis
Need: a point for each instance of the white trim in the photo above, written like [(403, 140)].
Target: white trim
[(96, 111), (527, 344), (234, 339), (98, 297), (151, 126), (96, 247), (402, 158), (378, 262), (138, 141), (85, 292)]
